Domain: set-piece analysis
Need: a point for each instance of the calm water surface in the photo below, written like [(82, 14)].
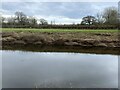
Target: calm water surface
[(23, 69)]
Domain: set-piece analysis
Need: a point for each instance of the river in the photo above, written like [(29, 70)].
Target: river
[(46, 69)]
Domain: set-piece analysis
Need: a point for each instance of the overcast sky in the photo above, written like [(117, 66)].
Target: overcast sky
[(61, 12)]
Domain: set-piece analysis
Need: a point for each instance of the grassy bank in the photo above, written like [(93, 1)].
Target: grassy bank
[(59, 30), (64, 37)]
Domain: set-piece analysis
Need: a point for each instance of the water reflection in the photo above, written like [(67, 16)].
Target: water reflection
[(40, 69), (75, 49)]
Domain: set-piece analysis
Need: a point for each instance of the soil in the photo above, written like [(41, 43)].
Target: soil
[(64, 39)]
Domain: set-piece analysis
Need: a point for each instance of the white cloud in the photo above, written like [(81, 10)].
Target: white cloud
[(7, 16), (57, 19), (4, 11), (60, 19)]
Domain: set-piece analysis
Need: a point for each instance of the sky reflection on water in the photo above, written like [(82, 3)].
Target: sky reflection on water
[(61, 70)]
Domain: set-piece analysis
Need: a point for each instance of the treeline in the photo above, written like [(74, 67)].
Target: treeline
[(108, 19), (78, 26)]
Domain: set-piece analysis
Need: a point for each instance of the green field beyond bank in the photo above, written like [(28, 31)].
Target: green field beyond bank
[(58, 30)]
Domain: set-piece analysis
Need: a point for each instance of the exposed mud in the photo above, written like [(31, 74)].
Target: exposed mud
[(58, 39)]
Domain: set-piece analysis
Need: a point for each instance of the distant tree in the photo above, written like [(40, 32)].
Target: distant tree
[(11, 20), (51, 22), (3, 19), (43, 21), (32, 21), (21, 18), (119, 15), (110, 15), (88, 20), (99, 18)]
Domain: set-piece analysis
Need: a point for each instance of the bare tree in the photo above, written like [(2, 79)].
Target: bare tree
[(3, 19), (11, 20), (99, 18), (32, 21), (43, 21), (110, 15), (21, 18)]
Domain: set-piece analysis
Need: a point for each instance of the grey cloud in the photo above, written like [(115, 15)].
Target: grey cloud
[(71, 10)]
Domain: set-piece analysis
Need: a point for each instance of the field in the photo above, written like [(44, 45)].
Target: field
[(59, 30)]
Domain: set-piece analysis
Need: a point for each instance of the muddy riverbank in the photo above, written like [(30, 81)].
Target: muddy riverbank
[(64, 39), (70, 49)]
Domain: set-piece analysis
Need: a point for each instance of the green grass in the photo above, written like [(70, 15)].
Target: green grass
[(58, 30)]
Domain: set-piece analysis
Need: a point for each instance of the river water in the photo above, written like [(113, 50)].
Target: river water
[(28, 69)]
